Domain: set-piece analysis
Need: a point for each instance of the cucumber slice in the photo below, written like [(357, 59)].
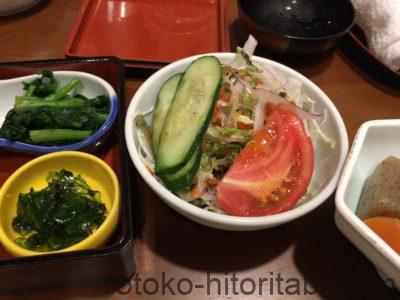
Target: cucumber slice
[(189, 114), (164, 99), (184, 177)]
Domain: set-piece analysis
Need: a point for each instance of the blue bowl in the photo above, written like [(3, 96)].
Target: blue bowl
[(91, 86)]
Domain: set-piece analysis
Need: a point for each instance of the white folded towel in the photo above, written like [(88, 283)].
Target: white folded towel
[(380, 21)]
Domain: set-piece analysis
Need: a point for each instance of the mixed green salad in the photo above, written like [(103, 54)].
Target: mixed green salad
[(48, 115), (233, 138)]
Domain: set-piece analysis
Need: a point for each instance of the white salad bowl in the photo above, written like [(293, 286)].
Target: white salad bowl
[(375, 140), (328, 161)]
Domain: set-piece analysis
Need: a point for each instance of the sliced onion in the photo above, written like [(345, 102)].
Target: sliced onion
[(223, 119), (267, 76), (307, 115), (270, 97), (259, 113), (292, 83), (293, 90), (239, 62), (209, 196), (306, 129), (244, 82), (145, 148), (234, 102), (250, 46)]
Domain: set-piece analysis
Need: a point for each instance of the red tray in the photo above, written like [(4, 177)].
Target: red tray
[(149, 33)]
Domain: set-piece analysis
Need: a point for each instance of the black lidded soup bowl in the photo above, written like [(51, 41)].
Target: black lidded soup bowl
[(297, 26)]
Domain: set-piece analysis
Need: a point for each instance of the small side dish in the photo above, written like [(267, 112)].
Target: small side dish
[(368, 193), (59, 202), (50, 115), (379, 205), (60, 215), (233, 138)]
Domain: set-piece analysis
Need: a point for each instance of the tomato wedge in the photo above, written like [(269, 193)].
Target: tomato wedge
[(273, 171)]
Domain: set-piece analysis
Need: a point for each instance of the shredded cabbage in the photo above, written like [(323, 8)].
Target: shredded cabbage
[(321, 134), (143, 135)]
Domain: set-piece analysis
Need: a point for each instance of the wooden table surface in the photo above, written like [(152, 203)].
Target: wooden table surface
[(310, 250)]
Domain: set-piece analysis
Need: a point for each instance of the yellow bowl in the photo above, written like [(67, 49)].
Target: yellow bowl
[(97, 174)]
